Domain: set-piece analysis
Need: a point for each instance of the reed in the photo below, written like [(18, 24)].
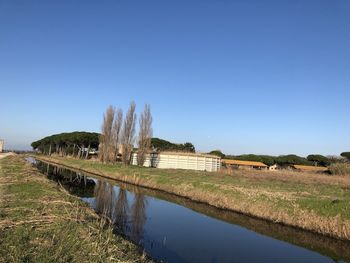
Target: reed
[(342, 169)]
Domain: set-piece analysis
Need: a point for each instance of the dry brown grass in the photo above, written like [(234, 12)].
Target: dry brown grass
[(342, 169), (311, 201), (309, 168), (294, 176)]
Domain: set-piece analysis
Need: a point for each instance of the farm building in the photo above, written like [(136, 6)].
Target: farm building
[(181, 160), (238, 164), (309, 168), (1, 146), (273, 167)]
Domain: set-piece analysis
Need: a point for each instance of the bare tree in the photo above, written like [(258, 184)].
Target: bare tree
[(116, 132), (128, 133), (106, 152), (145, 134)]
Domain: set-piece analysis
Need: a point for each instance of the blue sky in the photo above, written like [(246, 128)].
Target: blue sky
[(268, 77)]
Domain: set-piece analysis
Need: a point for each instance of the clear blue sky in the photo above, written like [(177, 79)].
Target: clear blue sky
[(268, 77)]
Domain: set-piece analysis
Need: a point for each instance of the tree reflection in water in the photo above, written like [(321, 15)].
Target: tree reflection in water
[(116, 208), (105, 196), (121, 211), (138, 215)]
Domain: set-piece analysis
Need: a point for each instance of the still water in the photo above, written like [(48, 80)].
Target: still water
[(174, 229)]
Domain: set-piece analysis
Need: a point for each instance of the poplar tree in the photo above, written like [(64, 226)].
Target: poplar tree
[(128, 133), (145, 135)]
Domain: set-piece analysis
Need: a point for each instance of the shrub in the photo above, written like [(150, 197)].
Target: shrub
[(346, 155), (340, 168)]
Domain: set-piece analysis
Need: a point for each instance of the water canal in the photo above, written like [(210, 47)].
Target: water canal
[(175, 229)]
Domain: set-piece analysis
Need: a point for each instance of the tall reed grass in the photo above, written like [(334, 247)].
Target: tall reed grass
[(340, 169)]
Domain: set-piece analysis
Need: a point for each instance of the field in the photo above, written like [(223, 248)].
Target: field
[(40, 222), (315, 202)]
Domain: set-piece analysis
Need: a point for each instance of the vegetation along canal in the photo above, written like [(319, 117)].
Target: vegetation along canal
[(174, 229)]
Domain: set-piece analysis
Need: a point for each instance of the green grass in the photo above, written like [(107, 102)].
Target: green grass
[(40, 222), (297, 199)]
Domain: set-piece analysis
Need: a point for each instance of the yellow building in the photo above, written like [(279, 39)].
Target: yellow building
[(238, 164)]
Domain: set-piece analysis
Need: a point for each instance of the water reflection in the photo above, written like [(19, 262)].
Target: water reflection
[(138, 216), (174, 229), (121, 211), (104, 197), (126, 219), (75, 182), (128, 216)]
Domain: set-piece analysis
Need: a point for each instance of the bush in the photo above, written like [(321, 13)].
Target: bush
[(346, 155), (340, 168)]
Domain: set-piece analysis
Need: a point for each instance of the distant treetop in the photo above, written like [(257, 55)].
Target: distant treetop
[(282, 160), (318, 159), (218, 153), (163, 145)]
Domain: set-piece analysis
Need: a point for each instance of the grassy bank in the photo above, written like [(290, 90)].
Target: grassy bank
[(315, 202), (40, 222)]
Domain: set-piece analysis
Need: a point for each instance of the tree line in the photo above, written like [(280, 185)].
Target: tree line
[(290, 159), (76, 143)]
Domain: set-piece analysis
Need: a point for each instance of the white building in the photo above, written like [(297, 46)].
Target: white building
[(1, 146), (181, 160), (273, 167)]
